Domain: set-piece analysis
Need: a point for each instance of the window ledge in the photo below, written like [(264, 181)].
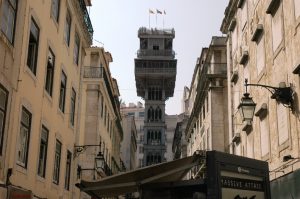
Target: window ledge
[(273, 6), (247, 126), (257, 32), (262, 111), (234, 77), (236, 138), (297, 70), (244, 58), (240, 3), (232, 25)]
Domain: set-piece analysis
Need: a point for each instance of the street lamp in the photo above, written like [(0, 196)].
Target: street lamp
[(99, 161), (247, 106)]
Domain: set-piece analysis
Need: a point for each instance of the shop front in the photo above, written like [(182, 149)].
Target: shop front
[(225, 177)]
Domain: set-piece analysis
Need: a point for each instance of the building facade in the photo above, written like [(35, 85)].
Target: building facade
[(129, 143), (207, 125), (41, 52), (206, 128), (100, 124), (155, 75), (263, 44), (137, 111)]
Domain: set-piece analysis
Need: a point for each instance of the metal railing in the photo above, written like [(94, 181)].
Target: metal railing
[(86, 18), (144, 30), (169, 71), (93, 72), (147, 52)]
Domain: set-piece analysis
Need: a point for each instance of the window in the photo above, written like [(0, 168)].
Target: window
[(76, 49), (9, 10), (57, 162), (43, 152), (260, 55), (264, 136), (244, 12), (282, 123), (33, 46), (141, 149), (102, 106), (141, 114), (24, 137), (68, 170), (73, 105), (3, 109), (130, 114), (104, 114), (50, 72), (55, 9), (155, 47), (142, 138), (277, 32), (250, 145), (234, 40), (62, 95), (68, 28), (297, 8)]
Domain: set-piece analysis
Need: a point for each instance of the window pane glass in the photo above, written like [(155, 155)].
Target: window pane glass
[(3, 99), (55, 9), (283, 133), (8, 19), (297, 8), (277, 28)]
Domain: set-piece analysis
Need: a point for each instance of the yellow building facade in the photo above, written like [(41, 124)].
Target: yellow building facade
[(41, 50)]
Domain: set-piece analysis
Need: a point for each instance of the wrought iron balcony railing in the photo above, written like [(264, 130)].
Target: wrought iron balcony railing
[(86, 18), (166, 71), (147, 52)]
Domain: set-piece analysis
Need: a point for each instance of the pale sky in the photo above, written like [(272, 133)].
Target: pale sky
[(116, 23)]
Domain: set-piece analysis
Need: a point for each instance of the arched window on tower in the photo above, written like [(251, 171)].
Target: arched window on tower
[(159, 137), (159, 114), (150, 114)]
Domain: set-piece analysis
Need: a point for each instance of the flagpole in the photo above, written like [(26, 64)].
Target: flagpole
[(164, 14), (164, 21), (149, 19), (156, 19)]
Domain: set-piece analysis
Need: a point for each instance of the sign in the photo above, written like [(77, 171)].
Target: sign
[(241, 188), (235, 177), (16, 193)]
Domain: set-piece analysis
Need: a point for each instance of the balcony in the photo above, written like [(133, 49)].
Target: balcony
[(93, 72), (155, 31), (86, 18), (158, 71), (217, 69), (148, 53)]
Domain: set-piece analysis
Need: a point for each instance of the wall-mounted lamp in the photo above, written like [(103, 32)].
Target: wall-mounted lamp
[(247, 107), (281, 94), (80, 148)]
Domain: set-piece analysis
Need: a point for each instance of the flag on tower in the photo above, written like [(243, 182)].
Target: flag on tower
[(151, 11), (164, 12), (158, 11)]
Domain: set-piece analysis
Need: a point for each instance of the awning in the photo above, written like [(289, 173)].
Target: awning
[(129, 182)]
